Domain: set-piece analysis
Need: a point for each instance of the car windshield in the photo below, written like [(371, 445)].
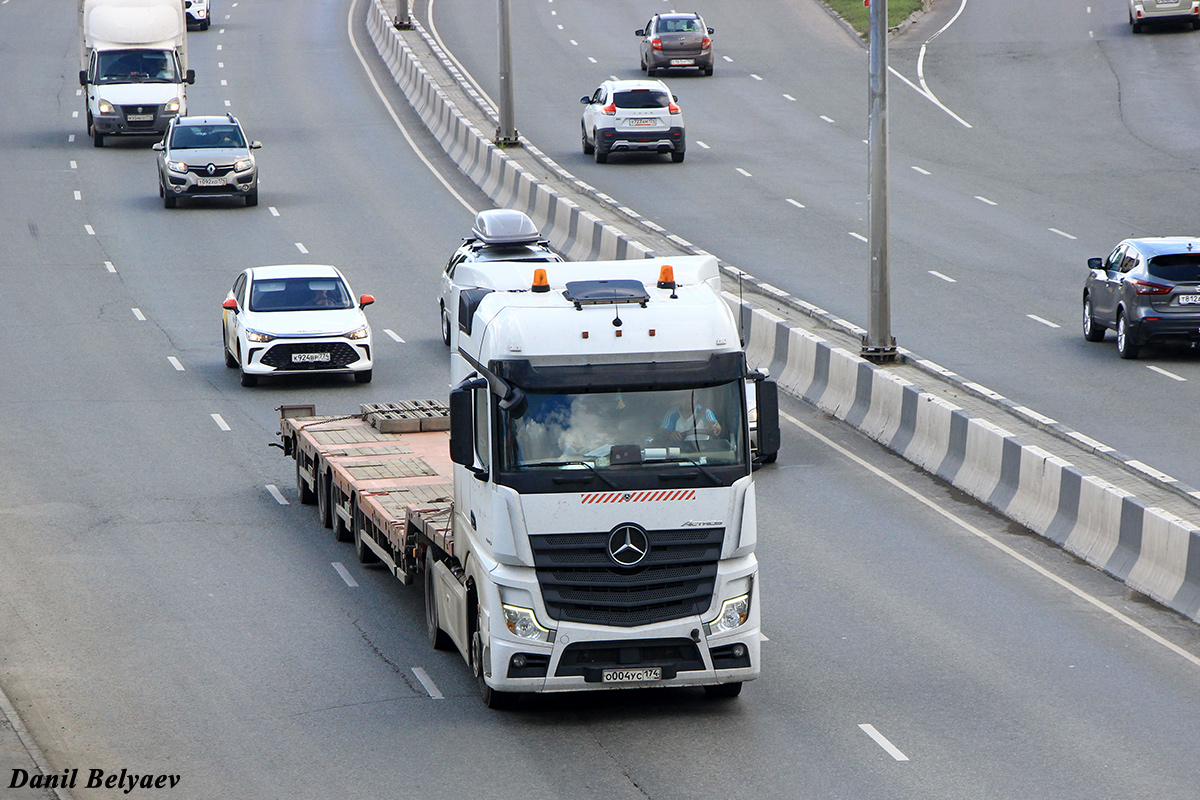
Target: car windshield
[(642, 98), (1178, 267), (612, 429), (136, 66), (299, 294), (217, 135)]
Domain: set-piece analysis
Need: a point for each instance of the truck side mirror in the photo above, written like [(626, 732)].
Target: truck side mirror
[(83, 77), (768, 421), (462, 421), (190, 76)]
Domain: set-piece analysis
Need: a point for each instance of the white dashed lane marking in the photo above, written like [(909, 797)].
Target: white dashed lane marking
[(922, 171), (1062, 233), (175, 363), (882, 741), (859, 236), (345, 573), (393, 334), (138, 315), (985, 200), (1170, 375), (796, 204), (427, 682), (300, 246), (946, 278), (278, 495), (221, 423), (1045, 322)]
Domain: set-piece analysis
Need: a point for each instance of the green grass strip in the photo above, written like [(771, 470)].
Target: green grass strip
[(854, 12)]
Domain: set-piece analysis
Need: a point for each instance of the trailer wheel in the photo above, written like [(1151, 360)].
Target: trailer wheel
[(324, 500), (365, 554), (724, 690), (495, 700), (307, 496), (341, 532), (438, 638)]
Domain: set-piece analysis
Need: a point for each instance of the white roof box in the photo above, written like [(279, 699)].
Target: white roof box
[(504, 226)]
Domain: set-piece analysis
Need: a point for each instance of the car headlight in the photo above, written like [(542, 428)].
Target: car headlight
[(255, 336), (734, 614), (177, 166), (243, 165), (172, 106), (105, 108), (522, 622), (360, 333)]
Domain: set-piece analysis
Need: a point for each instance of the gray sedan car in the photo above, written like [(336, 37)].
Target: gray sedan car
[(1147, 290), (676, 41), (1167, 11)]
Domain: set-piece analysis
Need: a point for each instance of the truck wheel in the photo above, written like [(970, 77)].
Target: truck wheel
[(445, 328), (307, 497), (365, 554), (341, 532), (438, 639), (324, 500), (497, 701), (724, 690)]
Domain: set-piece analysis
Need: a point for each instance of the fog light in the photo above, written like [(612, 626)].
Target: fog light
[(739, 650), (519, 661)]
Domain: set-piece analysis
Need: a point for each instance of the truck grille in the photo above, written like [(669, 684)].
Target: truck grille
[(132, 112), (340, 355), (580, 583)]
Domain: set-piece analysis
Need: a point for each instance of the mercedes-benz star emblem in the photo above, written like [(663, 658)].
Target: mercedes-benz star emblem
[(628, 545), (212, 169)]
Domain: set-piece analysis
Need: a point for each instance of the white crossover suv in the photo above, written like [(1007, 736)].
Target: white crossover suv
[(632, 116)]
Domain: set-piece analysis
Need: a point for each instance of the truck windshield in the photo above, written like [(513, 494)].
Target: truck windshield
[(136, 66), (599, 430)]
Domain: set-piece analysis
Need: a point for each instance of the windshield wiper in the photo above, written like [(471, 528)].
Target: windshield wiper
[(595, 472), (691, 462)]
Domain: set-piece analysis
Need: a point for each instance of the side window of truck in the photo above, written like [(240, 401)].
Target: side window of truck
[(482, 449)]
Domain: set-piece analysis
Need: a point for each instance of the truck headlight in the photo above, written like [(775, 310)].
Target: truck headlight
[(361, 333), (105, 108), (177, 166), (172, 106), (734, 614), (522, 622), (243, 165), (255, 336)]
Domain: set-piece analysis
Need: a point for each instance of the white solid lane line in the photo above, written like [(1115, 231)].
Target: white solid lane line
[(221, 423), (278, 495), (974, 531), (434, 692), (882, 741), (1045, 322), (345, 573), (175, 363), (1170, 375), (946, 278)]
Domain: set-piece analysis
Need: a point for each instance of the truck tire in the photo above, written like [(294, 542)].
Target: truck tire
[(724, 690), (324, 500), (307, 496), (438, 638), (365, 554), (341, 532)]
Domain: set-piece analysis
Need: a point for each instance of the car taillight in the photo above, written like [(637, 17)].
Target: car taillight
[(1142, 287), (705, 43), (610, 109), (674, 109), (656, 44)]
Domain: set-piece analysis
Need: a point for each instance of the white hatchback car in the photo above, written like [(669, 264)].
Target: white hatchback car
[(631, 116), (296, 318)]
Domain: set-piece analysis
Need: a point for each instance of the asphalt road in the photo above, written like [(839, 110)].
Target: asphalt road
[(1055, 134), (162, 610)]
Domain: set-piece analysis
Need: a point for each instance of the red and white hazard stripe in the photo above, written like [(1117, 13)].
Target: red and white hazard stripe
[(657, 496)]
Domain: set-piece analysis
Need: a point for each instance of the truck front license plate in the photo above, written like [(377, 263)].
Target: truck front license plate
[(632, 675), (140, 117), (304, 358)]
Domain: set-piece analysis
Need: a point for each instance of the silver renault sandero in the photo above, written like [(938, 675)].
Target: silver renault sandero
[(1143, 11), (206, 157)]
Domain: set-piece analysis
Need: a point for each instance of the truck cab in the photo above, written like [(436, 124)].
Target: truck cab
[(604, 510)]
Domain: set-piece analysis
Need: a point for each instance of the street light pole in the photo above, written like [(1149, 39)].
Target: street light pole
[(878, 345), (403, 20), (506, 134)]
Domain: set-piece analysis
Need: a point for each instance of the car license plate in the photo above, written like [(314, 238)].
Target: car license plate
[(643, 123), (140, 117), (308, 358), (631, 675), (682, 62), (1189, 299), (211, 181)]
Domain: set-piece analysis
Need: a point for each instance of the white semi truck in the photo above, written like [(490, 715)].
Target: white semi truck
[(589, 521), (133, 65)]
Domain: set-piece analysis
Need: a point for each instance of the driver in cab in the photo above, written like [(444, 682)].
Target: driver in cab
[(680, 422)]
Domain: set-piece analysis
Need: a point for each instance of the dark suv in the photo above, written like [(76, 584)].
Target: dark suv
[(1147, 290)]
